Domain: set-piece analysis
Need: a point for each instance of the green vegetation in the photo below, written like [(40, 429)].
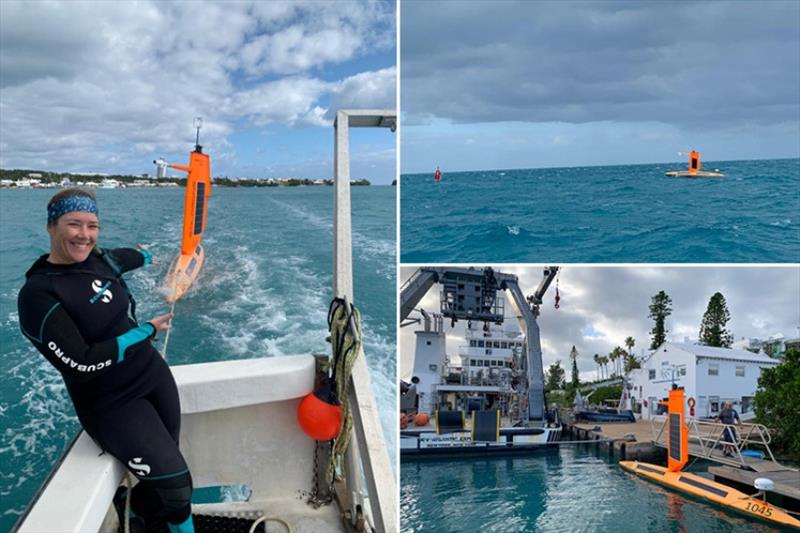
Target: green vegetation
[(777, 403), (712, 328), (573, 355), (660, 309), (554, 378), (606, 393)]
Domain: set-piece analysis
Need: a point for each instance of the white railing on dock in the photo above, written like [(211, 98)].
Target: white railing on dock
[(706, 436)]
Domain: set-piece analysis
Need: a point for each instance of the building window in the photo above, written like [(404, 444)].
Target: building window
[(504, 345), (713, 404), (747, 404), (473, 343), (488, 351), (472, 362), (739, 371), (713, 370), (480, 344), (651, 374), (432, 368), (496, 344), (681, 370)]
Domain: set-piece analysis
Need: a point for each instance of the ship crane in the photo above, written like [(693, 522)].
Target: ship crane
[(471, 294)]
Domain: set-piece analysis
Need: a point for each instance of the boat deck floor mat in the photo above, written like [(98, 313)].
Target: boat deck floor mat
[(214, 524)]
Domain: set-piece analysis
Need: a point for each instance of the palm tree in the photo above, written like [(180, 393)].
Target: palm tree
[(629, 343), (612, 355), (604, 362), (597, 362)]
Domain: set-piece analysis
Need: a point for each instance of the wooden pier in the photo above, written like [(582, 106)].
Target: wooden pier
[(634, 441)]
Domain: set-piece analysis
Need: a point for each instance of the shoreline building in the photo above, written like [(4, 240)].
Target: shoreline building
[(711, 376)]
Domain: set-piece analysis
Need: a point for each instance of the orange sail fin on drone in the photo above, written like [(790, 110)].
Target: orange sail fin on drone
[(185, 268)]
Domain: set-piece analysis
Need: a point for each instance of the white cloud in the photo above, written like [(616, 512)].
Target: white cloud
[(102, 85)]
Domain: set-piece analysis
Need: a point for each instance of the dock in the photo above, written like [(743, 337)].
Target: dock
[(641, 441), (630, 441)]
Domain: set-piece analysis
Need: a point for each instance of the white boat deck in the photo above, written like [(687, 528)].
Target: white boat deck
[(238, 428)]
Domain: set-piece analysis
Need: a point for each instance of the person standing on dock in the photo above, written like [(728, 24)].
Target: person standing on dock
[(76, 309), (729, 417)]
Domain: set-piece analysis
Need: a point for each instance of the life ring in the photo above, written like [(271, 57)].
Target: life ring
[(691, 402)]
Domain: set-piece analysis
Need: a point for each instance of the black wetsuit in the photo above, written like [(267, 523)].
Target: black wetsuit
[(79, 317)]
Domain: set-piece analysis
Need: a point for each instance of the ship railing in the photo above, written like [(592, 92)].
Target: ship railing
[(708, 436), (369, 479)]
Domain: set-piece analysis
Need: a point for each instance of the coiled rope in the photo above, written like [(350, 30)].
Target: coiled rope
[(344, 323)]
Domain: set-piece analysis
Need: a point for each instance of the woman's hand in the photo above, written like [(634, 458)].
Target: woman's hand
[(153, 260), (161, 323)]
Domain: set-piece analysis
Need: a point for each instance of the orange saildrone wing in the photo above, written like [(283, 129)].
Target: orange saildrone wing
[(186, 266)]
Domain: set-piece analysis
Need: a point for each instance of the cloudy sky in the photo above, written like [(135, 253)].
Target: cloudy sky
[(601, 306), (517, 84), (109, 86)]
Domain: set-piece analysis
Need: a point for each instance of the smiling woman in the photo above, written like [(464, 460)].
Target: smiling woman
[(77, 311)]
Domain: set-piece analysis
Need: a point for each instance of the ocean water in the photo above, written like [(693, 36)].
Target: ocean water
[(612, 214), (264, 291), (573, 488)]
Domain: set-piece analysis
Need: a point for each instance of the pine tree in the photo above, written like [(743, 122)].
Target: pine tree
[(573, 355), (712, 328), (660, 309), (555, 377)]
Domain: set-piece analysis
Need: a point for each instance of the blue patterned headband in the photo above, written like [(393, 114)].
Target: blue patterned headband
[(69, 205)]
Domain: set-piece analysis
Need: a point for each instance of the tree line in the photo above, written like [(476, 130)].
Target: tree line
[(713, 332), (56, 177)]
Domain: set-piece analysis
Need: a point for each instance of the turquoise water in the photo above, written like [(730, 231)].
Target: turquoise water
[(571, 488), (604, 214), (264, 291)]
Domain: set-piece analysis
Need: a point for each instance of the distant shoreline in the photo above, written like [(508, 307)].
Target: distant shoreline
[(33, 179)]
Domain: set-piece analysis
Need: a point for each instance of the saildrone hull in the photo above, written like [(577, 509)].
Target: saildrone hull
[(182, 273), (687, 174), (711, 491)]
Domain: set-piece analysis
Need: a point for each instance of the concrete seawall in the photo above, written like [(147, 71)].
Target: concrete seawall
[(626, 441)]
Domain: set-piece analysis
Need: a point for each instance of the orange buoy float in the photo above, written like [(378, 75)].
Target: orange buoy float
[(320, 413), (421, 419)]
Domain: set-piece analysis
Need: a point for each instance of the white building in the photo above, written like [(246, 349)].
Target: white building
[(711, 376)]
